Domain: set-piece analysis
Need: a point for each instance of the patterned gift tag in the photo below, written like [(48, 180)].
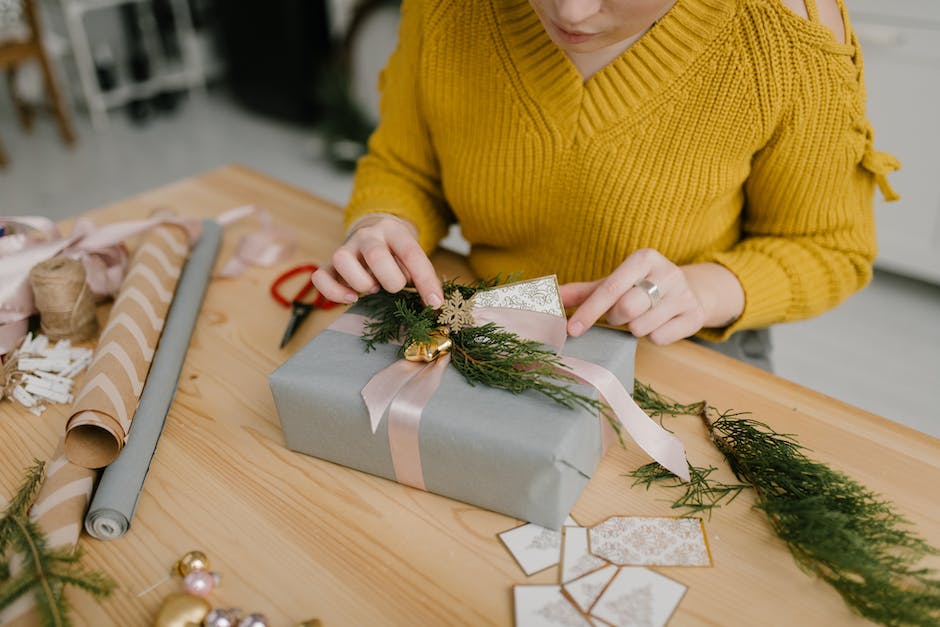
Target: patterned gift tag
[(534, 547), (539, 295), (638, 596), (585, 590), (545, 606), (641, 541), (576, 558)]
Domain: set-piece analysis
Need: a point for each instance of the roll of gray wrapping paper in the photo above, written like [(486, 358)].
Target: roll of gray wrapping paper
[(112, 508)]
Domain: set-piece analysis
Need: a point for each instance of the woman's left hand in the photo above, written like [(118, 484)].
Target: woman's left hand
[(657, 299)]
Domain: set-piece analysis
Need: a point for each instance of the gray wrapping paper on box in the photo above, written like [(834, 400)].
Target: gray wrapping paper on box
[(112, 508), (521, 455)]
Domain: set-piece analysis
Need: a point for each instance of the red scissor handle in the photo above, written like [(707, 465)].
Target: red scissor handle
[(320, 301)]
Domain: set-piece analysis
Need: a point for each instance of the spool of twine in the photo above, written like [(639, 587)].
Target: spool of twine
[(65, 303)]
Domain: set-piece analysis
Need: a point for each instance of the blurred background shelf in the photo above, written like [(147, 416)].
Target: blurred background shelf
[(164, 51)]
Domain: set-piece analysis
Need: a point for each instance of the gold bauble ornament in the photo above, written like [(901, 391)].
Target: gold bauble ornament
[(182, 610), (439, 344), (194, 560)]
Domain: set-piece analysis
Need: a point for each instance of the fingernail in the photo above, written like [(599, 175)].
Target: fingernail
[(350, 298), (435, 301), (575, 328), (375, 290)]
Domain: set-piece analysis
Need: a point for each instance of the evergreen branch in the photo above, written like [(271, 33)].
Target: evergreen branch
[(500, 359), (385, 309), (656, 404), (44, 570), (49, 599), (834, 527), (92, 582), (19, 505), (416, 326), (14, 587), (701, 494)]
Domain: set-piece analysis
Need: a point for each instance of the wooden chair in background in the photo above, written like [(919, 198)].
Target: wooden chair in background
[(18, 50)]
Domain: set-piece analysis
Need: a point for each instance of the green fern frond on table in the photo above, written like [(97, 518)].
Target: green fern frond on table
[(835, 528), (42, 570)]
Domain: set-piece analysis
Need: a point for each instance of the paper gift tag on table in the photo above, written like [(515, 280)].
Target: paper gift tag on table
[(534, 547), (638, 596), (645, 541)]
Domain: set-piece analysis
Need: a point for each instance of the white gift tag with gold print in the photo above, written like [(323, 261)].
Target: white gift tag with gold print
[(638, 596), (546, 606), (585, 590), (576, 558), (534, 547)]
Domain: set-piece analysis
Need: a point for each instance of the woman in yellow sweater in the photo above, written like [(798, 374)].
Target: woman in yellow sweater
[(684, 166)]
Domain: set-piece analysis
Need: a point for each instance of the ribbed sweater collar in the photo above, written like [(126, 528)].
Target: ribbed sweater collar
[(618, 90)]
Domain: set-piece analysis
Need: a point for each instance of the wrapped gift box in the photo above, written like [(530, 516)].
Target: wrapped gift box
[(522, 455)]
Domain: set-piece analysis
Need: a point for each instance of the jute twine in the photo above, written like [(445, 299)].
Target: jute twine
[(8, 372), (65, 303)]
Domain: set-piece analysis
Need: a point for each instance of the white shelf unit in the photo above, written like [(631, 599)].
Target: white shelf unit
[(189, 73)]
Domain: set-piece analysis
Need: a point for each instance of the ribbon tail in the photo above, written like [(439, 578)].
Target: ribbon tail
[(404, 420), (661, 445), (382, 388)]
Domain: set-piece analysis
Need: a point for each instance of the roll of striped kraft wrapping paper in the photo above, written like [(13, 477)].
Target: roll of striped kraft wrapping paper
[(105, 405), (58, 511)]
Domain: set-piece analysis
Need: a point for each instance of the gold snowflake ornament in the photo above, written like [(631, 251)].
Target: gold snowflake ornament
[(456, 312)]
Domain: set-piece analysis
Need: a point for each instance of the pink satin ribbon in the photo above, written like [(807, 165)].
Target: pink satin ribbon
[(404, 388), (267, 246), (104, 256)]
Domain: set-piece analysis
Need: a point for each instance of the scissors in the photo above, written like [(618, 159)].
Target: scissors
[(299, 309)]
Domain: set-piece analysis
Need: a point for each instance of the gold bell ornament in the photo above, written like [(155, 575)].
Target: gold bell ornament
[(439, 344)]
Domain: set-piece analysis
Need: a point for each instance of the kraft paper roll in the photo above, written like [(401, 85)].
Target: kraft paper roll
[(112, 509), (104, 407), (58, 510)]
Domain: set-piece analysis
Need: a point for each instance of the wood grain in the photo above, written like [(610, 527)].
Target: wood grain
[(296, 537)]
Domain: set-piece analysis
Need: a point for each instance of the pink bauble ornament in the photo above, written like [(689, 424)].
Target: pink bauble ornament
[(199, 582)]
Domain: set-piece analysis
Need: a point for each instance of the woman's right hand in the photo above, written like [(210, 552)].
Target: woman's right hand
[(381, 251)]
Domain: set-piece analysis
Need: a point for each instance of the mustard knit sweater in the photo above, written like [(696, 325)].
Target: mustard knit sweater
[(733, 131)]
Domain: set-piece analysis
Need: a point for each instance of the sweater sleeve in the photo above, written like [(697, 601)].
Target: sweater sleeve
[(808, 229), (399, 174)]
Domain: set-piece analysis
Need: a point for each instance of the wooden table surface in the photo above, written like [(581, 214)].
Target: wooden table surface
[(295, 537)]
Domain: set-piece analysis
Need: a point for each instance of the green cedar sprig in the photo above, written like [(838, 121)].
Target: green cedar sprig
[(701, 494), (835, 528), (45, 571), (498, 358), (658, 405), (486, 354)]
